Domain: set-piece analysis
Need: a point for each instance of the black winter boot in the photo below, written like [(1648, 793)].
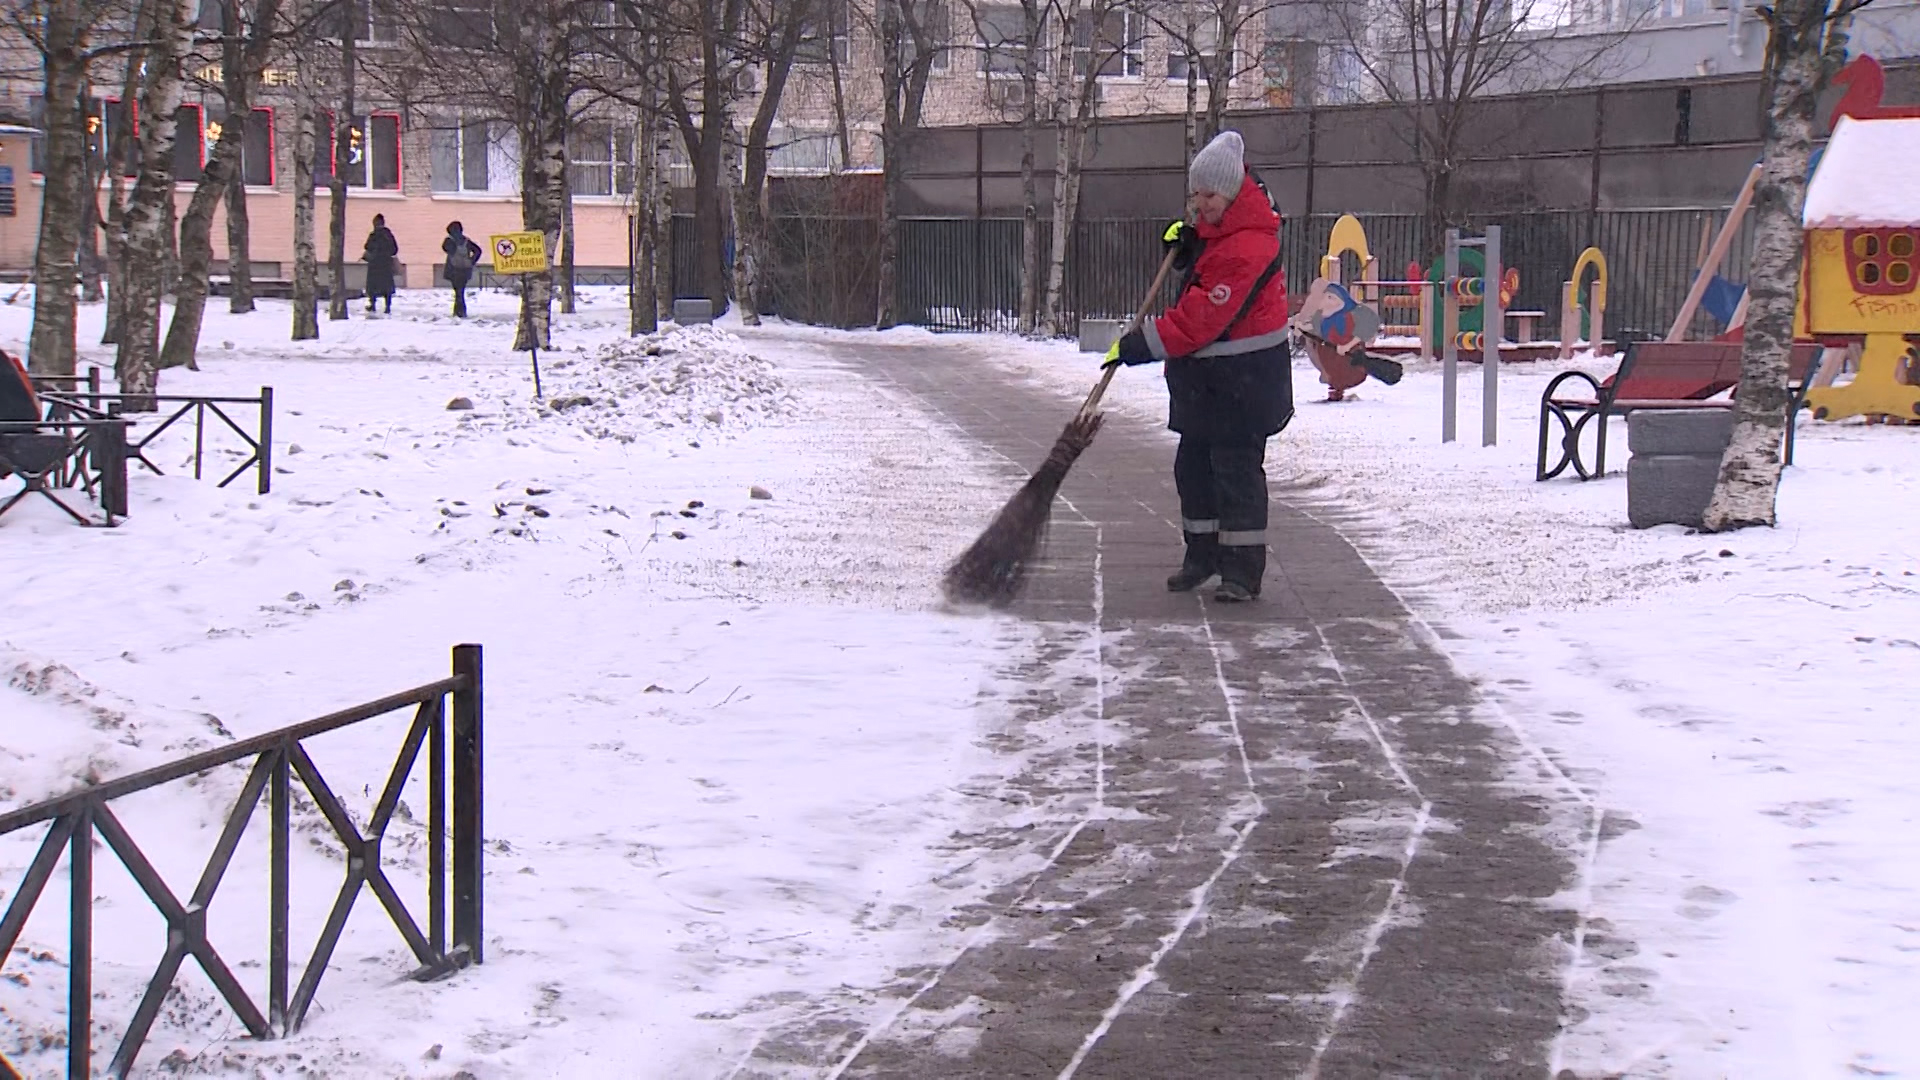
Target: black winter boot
[(1201, 562), (1241, 569)]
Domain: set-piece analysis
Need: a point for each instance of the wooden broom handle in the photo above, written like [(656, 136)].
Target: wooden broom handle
[(1153, 291)]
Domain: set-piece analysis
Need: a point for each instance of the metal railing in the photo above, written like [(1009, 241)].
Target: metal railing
[(90, 403), (277, 757), (964, 273)]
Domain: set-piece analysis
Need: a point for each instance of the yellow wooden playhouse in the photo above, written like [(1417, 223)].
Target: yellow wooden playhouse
[(1862, 267)]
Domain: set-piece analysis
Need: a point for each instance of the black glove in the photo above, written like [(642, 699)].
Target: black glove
[(1185, 242), (1131, 349)]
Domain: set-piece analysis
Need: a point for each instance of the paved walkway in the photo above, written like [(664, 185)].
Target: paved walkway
[(1306, 853)]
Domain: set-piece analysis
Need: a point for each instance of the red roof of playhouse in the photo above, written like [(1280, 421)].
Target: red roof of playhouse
[(1866, 177)]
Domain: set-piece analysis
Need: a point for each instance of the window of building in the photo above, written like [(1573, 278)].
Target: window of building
[(373, 147), (1118, 45), (475, 156), (189, 144), (461, 24), (934, 20), (802, 152), (256, 143), (824, 34), (600, 158), (1003, 38), (1206, 45), (373, 21)]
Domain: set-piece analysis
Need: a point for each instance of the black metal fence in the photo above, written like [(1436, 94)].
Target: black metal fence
[(72, 821), (74, 398), (964, 273)]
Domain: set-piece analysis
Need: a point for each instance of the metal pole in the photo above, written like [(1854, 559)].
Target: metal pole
[(266, 441), (80, 946), (1449, 331), (1495, 331), (468, 801)]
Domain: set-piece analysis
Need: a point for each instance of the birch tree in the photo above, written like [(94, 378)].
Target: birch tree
[(1092, 44), (148, 214), (63, 33), (1806, 45), (345, 131), (244, 51)]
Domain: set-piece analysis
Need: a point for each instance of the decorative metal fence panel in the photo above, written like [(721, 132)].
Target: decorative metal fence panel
[(451, 737)]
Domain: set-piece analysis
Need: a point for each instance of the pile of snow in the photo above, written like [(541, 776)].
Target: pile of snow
[(695, 378), (64, 732)]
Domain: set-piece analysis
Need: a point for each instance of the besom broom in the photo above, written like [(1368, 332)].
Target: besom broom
[(993, 570)]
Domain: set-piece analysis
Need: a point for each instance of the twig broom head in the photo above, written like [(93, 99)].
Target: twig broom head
[(993, 570)]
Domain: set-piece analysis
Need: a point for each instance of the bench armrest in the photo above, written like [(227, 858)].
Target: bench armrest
[(1553, 387)]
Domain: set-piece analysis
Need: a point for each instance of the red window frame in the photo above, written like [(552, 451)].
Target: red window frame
[(273, 146), (399, 148), (199, 128)]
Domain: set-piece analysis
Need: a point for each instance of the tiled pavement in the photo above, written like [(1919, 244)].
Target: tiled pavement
[(1307, 852)]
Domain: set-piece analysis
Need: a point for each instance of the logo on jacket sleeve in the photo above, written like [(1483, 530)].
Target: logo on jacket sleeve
[(1220, 293)]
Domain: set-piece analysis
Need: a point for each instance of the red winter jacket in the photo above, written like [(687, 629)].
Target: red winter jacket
[(1238, 251)]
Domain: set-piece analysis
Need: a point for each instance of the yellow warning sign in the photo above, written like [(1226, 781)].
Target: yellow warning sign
[(519, 253)]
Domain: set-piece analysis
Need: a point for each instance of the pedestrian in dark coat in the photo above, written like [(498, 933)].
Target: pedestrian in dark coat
[(1229, 369), (462, 256), (381, 251)]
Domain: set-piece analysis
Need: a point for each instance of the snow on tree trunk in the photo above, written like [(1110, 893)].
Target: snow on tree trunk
[(147, 215), (196, 251), (50, 349), (306, 291), (1797, 52)]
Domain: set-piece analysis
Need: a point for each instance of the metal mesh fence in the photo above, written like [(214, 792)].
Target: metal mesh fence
[(964, 273)]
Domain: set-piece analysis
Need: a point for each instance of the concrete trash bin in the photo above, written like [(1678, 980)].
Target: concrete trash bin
[(1675, 463), (1098, 335), (692, 312)]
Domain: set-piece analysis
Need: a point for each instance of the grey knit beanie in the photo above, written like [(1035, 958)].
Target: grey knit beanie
[(1220, 166)]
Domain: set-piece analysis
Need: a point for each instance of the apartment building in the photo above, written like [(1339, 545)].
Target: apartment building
[(1282, 54), (419, 167)]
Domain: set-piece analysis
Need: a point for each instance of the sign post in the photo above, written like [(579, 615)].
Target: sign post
[(521, 253)]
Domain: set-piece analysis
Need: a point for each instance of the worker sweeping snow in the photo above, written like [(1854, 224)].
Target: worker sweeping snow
[(1229, 369)]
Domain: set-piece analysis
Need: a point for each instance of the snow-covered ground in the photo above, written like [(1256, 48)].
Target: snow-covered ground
[(690, 695), (729, 738), (1738, 708)]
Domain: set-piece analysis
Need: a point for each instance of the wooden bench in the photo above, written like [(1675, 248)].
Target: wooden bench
[(1655, 375)]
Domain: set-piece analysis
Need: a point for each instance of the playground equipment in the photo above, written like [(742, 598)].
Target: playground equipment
[(1583, 321), (1862, 268), (1338, 325), (1472, 291)]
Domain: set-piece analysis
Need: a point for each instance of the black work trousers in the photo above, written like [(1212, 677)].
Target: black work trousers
[(1223, 489), (1223, 498)]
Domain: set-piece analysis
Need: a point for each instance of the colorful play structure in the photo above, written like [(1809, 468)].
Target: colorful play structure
[(1444, 313), (1860, 279), (1859, 295)]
